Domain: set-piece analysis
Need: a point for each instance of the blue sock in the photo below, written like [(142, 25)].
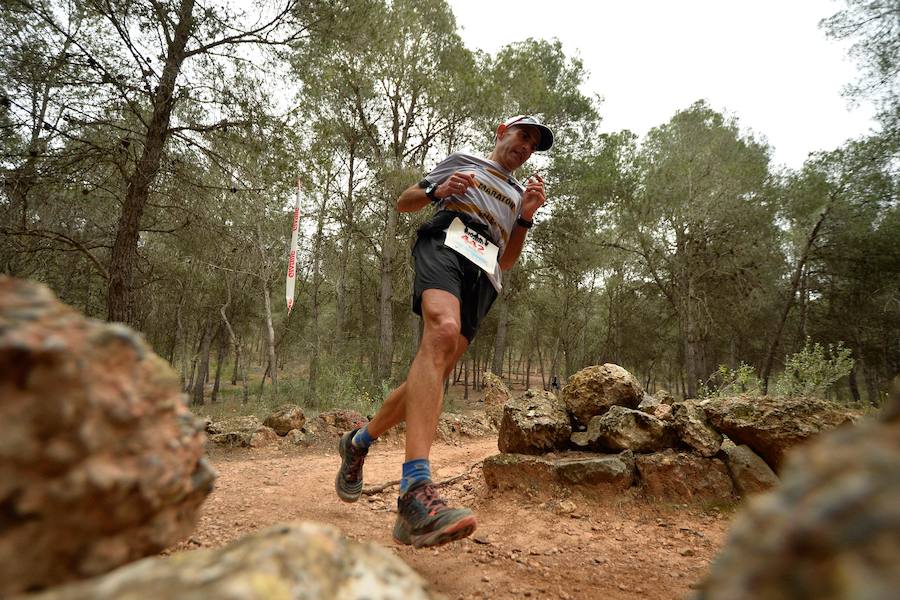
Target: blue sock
[(415, 471), (362, 439)]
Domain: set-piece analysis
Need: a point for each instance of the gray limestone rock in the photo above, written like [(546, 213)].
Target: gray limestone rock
[(684, 477), (533, 423), (772, 426), (689, 421), (625, 429), (285, 418), (749, 472), (592, 390), (603, 472)]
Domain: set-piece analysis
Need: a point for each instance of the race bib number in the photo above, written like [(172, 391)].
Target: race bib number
[(473, 246)]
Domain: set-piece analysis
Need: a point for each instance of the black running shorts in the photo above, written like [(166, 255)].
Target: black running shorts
[(440, 268)]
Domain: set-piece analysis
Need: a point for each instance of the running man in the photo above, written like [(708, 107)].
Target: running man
[(482, 216)]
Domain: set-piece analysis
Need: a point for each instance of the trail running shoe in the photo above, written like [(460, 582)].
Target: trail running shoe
[(349, 480), (424, 519)]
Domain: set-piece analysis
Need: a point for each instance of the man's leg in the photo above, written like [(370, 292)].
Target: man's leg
[(439, 307), (393, 410), (423, 517), (425, 381)]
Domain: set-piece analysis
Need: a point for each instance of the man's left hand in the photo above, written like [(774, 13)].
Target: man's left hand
[(534, 197)]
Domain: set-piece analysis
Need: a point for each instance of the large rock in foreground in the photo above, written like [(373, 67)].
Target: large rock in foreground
[(591, 391), (294, 561), (772, 426), (101, 463), (533, 423), (684, 477), (830, 531)]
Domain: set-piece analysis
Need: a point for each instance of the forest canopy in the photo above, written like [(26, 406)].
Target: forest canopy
[(150, 150)]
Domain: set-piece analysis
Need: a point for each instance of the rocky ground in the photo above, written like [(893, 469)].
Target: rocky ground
[(559, 545)]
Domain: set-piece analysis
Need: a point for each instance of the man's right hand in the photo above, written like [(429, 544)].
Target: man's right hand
[(456, 185)]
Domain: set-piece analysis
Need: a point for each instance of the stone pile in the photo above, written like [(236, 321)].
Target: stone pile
[(101, 462), (285, 422), (606, 433)]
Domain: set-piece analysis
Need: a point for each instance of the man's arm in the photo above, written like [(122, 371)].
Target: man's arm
[(533, 198), (413, 198)]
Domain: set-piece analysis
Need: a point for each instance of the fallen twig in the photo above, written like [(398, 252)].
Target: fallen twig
[(377, 489)]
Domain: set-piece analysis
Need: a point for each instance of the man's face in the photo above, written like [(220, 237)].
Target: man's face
[(515, 144)]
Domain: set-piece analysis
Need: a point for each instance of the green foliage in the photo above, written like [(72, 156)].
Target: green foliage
[(730, 382), (341, 384), (814, 369)]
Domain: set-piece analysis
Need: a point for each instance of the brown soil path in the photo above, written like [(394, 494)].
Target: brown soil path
[(556, 546)]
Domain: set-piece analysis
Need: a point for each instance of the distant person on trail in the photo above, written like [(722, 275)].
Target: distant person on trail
[(554, 384), (482, 216)]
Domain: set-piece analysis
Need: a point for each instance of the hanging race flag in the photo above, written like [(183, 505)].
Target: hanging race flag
[(292, 257)]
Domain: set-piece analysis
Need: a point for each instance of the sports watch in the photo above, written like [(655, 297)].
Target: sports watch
[(430, 192)]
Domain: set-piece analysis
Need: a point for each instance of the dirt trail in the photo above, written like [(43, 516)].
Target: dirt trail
[(525, 547)]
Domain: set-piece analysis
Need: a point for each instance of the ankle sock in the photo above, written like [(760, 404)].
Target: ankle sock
[(415, 471), (362, 439)]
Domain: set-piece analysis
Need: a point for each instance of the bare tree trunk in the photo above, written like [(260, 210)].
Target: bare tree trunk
[(341, 301), (314, 309), (792, 296), (203, 366), (221, 353), (528, 371), (123, 257), (465, 379), (269, 329), (244, 383), (270, 341), (386, 296), (500, 337)]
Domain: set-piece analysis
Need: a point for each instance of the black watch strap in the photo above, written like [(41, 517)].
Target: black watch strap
[(523, 223), (430, 192)]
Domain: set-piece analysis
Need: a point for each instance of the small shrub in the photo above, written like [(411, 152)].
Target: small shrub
[(814, 370), (729, 382)]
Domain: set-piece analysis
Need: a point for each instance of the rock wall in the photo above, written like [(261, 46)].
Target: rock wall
[(101, 462), (679, 451)]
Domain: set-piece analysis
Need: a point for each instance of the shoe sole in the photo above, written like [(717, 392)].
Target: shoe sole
[(348, 496), (457, 530)]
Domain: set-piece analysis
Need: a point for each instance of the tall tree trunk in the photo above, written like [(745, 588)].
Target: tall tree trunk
[(386, 296), (341, 300), (792, 295), (203, 367), (314, 308), (245, 385), (123, 257), (272, 368), (221, 354), (500, 337)]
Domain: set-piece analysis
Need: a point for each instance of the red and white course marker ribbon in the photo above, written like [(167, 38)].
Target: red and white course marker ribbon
[(292, 257)]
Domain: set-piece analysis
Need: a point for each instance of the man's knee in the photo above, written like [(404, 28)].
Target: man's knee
[(442, 336)]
